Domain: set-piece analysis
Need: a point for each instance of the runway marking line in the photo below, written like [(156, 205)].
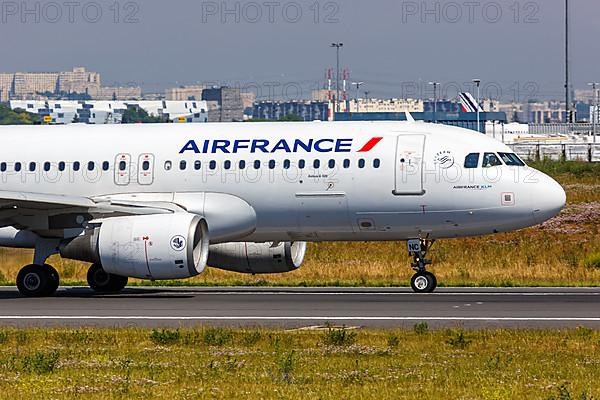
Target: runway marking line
[(439, 294), (297, 318)]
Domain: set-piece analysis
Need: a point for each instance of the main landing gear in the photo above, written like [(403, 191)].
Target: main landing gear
[(41, 280), (37, 280), (103, 282), (422, 281)]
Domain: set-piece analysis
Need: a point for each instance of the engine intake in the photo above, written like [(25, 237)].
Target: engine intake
[(257, 258)]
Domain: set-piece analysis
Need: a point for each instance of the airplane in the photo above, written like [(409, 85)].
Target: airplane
[(161, 202)]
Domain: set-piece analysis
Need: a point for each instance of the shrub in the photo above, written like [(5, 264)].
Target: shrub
[(40, 362), (421, 328), (458, 340), (216, 336), (286, 367), (3, 337), (592, 261), (339, 337), (250, 338), (165, 336), (393, 341)]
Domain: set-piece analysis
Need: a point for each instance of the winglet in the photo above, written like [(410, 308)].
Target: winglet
[(409, 117)]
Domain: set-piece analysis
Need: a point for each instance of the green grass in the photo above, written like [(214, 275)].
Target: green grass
[(307, 364)]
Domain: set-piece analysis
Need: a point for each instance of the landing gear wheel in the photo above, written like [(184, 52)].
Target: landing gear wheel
[(53, 280), (103, 282), (35, 281), (423, 282)]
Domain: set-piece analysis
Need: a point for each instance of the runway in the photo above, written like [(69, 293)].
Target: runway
[(306, 307)]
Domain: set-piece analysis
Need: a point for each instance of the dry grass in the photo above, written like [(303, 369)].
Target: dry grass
[(219, 363), (556, 254)]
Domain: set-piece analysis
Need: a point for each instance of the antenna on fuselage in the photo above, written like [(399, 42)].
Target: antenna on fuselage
[(409, 117)]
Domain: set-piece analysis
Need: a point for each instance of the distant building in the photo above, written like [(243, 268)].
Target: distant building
[(224, 104), (321, 95), (545, 112), (306, 110), (514, 112), (44, 85), (78, 81), (182, 93), (174, 111), (111, 112), (6, 86), (466, 120), (32, 85), (115, 93), (248, 100), (388, 105)]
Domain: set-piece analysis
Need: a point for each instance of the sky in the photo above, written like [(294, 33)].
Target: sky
[(281, 48)]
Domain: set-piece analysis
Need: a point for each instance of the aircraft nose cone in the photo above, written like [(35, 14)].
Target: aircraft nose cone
[(548, 200)]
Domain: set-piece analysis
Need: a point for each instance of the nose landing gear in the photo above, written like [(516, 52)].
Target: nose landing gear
[(422, 281)]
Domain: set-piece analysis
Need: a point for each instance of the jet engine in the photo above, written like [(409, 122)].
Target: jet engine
[(257, 258), (156, 247)]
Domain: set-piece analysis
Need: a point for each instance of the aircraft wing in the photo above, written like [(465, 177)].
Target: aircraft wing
[(43, 213)]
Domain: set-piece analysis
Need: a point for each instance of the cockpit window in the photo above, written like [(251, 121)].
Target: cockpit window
[(491, 160), (511, 159), (472, 160)]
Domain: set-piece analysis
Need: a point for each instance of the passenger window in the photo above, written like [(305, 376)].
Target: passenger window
[(242, 164), (376, 163), (77, 165), (145, 165), (212, 165), (123, 165), (91, 166), (361, 163), (331, 164), (346, 163), (62, 166), (491, 160), (32, 166), (106, 165), (168, 165), (197, 165), (472, 160), (3, 167), (18, 167), (272, 164), (301, 164), (227, 164), (257, 164), (317, 164), (511, 159), (182, 165), (287, 164), (47, 166)]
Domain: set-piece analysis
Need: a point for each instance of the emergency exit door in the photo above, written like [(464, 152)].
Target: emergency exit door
[(146, 169), (123, 169)]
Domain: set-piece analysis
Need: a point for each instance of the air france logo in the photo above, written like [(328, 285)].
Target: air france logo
[(279, 146), (178, 243)]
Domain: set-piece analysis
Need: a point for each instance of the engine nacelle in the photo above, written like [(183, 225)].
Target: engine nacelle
[(157, 247), (257, 258)]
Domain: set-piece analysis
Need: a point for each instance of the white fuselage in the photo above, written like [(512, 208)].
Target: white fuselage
[(411, 183)]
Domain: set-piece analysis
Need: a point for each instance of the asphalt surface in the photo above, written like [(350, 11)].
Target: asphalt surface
[(306, 307)]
